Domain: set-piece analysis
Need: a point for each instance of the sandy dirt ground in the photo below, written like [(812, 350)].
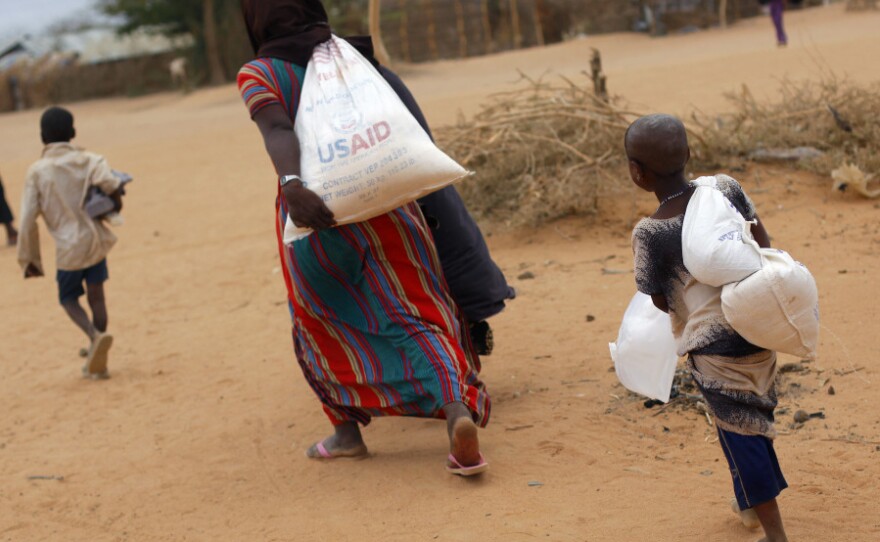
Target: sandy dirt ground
[(200, 433)]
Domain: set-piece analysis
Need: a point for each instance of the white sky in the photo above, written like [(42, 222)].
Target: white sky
[(18, 17)]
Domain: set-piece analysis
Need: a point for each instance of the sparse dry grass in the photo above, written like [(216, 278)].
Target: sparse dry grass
[(540, 152), (833, 115), (552, 149)]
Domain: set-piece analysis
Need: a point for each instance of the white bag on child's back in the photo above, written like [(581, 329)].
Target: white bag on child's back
[(645, 352), (776, 308), (362, 151), (714, 238)]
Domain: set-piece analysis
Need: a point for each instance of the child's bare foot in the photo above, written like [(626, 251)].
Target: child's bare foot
[(11, 236), (346, 442), (771, 521), (96, 360), (748, 516)]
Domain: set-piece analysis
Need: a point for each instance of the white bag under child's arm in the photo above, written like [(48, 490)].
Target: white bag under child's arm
[(776, 308), (715, 238), (362, 151), (645, 352)]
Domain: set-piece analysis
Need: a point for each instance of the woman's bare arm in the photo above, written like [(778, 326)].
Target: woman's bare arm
[(306, 209)]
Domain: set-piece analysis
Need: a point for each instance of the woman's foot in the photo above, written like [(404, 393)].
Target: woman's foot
[(346, 442), (465, 458)]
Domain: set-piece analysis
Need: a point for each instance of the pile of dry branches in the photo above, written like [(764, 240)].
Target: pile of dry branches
[(836, 117), (551, 149), (542, 151)]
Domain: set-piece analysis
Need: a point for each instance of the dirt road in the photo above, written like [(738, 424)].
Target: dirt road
[(200, 433)]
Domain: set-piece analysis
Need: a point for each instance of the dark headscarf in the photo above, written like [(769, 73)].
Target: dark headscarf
[(290, 29)]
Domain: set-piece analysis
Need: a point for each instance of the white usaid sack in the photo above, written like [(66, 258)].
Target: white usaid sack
[(776, 308), (645, 352), (715, 238), (362, 151)]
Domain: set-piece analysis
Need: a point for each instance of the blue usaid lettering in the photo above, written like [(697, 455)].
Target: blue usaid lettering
[(343, 148)]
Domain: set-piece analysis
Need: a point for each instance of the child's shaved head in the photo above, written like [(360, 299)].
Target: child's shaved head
[(56, 125), (659, 144)]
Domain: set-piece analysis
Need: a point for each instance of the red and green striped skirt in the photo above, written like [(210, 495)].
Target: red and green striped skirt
[(375, 329)]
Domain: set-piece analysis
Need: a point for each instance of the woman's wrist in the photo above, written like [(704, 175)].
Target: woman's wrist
[(285, 180)]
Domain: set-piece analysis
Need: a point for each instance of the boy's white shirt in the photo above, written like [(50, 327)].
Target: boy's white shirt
[(55, 188)]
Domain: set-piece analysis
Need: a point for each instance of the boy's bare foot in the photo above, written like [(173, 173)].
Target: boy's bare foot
[(771, 521), (748, 516), (11, 235), (346, 442), (96, 362)]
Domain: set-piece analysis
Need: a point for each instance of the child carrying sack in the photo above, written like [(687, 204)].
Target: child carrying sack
[(645, 352), (715, 238), (362, 151), (776, 308)]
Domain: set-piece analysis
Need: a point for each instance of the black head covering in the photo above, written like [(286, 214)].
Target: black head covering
[(290, 29)]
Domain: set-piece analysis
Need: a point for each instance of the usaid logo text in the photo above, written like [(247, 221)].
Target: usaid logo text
[(361, 141)]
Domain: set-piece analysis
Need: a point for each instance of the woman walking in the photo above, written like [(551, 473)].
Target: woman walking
[(777, 9), (375, 329)]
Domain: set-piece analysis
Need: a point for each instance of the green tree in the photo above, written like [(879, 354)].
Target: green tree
[(197, 18), (221, 43)]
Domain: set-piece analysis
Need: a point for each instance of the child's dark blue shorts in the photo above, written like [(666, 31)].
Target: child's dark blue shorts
[(70, 283), (757, 477)]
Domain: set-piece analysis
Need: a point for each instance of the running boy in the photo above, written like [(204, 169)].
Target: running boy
[(56, 187), (735, 377)]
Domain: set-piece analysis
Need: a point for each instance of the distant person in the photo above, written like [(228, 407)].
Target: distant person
[(56, 187), (777, 10), (375, 328), (177, 68), (6, 218), (736, 378)]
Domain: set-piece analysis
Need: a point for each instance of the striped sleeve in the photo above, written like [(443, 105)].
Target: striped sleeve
[(257, 86)]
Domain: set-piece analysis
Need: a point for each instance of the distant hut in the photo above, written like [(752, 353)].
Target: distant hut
[(424, 30)]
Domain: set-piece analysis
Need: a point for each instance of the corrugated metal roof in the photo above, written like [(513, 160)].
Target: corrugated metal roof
[(94, 46)]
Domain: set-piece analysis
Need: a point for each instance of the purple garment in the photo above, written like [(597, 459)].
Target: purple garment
[(777, 7)]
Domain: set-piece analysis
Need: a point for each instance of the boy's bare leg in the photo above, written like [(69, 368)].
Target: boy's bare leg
[(95, 295), (464, 444), (771, 521), (11, 234), (76, 313)]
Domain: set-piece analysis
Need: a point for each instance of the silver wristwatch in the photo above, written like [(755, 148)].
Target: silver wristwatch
[(290, 178)]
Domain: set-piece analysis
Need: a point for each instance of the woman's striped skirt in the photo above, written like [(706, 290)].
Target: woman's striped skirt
[(375, 329)]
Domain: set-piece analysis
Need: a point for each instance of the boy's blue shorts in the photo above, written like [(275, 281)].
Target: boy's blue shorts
[(70, 283), (757, 477)]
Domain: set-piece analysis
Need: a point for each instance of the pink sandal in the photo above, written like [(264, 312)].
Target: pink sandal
[(460, 470), (324, 453)]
